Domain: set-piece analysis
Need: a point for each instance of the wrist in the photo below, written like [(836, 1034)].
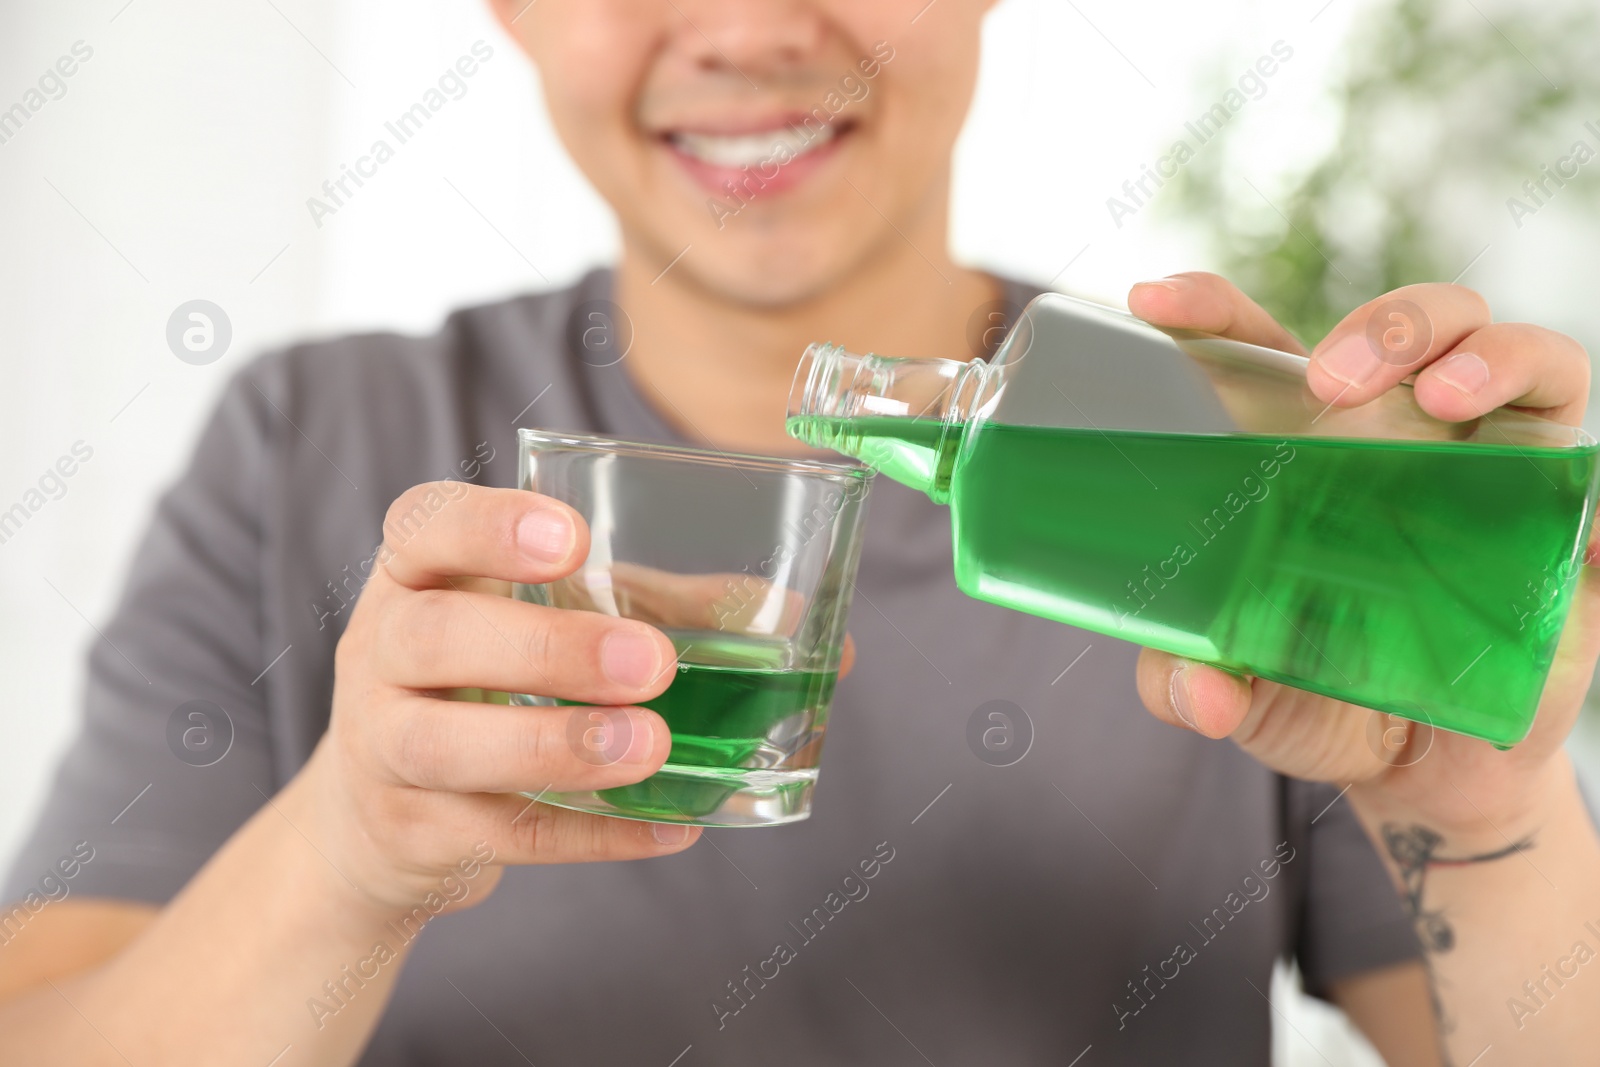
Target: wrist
[(368, 875), (360, 884), (1488, 813), (323, 865)]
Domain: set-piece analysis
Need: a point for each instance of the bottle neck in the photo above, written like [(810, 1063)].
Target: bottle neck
[(904, 417)]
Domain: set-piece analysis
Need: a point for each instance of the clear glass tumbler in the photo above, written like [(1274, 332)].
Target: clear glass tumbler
[(747, 564)]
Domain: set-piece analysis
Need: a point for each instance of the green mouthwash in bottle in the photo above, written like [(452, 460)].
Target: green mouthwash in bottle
[(1188, 493)]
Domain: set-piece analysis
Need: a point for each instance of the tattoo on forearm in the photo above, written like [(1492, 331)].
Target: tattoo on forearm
[(1415, 849)]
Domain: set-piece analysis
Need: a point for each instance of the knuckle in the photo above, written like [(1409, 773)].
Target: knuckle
[(408, 504), (413, 509), (1516, 333), (1434, 295), (538, 640), (536, 830), (353, 652), (1527, 337), (1580, 353), (390, 817), (541, 752), (1564, 346), (1472, 299), (390, 563), (418, 630), (415, 751)]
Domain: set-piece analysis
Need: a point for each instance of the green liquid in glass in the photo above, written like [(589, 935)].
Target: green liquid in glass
[(1426, 579), (729, 724)]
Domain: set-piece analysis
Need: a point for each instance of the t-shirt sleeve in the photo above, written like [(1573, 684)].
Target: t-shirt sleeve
[(172, 753), (1353, 920)]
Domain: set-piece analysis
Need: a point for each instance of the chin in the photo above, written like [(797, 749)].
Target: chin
[(770, 283), (776, 263)]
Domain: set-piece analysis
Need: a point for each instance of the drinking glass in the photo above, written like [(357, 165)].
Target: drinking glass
[(747, 564)]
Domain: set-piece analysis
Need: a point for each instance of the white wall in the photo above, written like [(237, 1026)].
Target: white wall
[(178, 164)]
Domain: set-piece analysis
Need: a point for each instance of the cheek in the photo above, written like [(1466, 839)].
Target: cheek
[(591, 58), (932, 59), (865, 24), (927, 83), (923, 103)]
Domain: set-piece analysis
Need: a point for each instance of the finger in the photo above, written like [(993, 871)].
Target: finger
[(523, 831), (464, 747), (730, 602), (1507, 363), (1181, 692), (445, 639), (1385, 340), (1212, 304), (663, 598), (1573, 668), (439, 530), (847, 657)]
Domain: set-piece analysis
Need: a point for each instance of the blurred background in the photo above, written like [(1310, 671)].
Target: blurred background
[(1394, 142)]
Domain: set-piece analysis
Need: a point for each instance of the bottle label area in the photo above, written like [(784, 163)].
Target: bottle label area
[(1426, 579)]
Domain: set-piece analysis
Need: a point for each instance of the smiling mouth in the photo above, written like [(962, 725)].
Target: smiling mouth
[(738, 150)]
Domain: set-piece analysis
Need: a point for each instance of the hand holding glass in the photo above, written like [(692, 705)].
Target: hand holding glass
[(746, 563)]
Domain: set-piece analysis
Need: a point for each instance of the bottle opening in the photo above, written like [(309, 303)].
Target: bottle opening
[(902, 417), (815, 393)]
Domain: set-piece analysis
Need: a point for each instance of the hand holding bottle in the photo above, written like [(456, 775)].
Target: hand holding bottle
[(1469, 366)]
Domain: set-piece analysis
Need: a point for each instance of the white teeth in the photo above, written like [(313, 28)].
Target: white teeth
[(749, 149)]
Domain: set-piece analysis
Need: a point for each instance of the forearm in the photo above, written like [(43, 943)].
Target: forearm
[(1509, 920), (232, 971)]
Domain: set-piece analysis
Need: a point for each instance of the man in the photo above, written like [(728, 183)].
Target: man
[(1118, 895)]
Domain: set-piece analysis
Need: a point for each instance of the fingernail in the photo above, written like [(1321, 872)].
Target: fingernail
[(630, 659), (1465, 371), (1351, 360), (546, 534), (1173, 282), (668, 833), (1178, 694)]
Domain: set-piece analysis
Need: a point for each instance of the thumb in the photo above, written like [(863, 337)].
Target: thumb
[(1208, 700)]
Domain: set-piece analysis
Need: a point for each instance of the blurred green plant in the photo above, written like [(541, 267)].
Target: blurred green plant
[(1443, 109)]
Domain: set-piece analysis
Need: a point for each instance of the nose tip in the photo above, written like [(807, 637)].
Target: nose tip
[(750, 40)]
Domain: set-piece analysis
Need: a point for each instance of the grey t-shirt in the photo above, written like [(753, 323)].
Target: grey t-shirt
[(1123, 885)]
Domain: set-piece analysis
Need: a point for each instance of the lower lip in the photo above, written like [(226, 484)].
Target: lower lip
[(757, 180)]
